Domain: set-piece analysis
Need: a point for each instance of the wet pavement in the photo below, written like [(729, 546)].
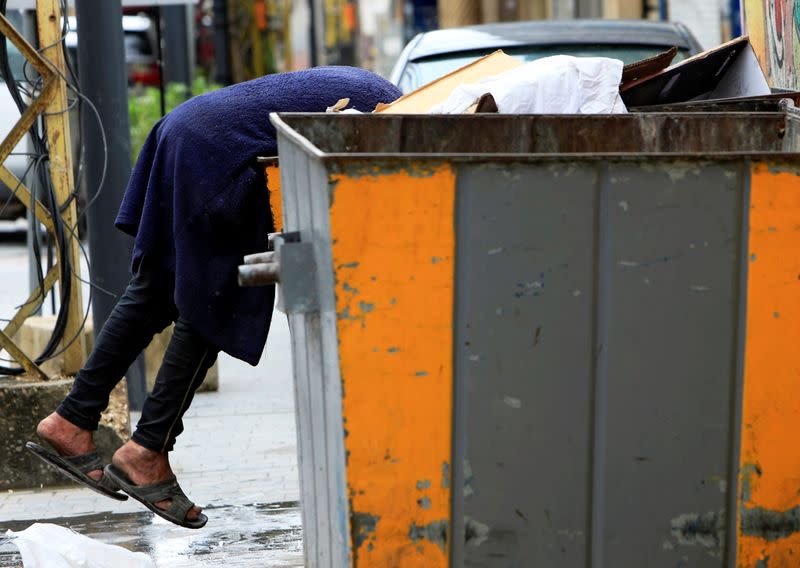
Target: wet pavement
[(236, 456), (254, 535)]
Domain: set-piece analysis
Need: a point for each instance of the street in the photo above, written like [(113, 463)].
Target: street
[(236, 458)]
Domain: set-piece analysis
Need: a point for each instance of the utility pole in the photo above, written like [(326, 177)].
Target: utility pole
[(221, 44), (177, 61), (103, 80)]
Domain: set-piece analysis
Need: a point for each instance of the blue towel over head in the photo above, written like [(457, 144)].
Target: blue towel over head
[(197, 202)]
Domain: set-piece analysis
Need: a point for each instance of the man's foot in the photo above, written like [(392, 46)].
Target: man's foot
[(67, 439), (143, 467)]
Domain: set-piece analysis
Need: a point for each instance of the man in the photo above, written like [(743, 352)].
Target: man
[(196, 204)]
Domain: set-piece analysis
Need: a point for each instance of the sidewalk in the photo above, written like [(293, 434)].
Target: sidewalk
[(236, 458)]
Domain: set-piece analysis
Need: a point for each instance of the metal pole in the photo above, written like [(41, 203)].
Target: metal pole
[(177, 67), (103, 80), (313, 33), (221, 51), (160, 55)]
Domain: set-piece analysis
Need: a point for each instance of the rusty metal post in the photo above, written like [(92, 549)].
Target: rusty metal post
[(49, 16)]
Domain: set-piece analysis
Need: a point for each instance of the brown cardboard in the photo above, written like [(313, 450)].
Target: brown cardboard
[(728, 71), (435, 92)]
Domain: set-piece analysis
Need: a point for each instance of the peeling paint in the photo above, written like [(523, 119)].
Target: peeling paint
[(467, 478), (345, 314), (699, 288), (512, 402), (348, 265), (362, 527), (496, 250), (437, 259), (393, 350), (533, 288), (445, 475), (347, 288), (769, 525), (435, 532), (424, 503), (366, 307), (475, 532), (423, 484), (421, 374), (624, 206), (701, 529)]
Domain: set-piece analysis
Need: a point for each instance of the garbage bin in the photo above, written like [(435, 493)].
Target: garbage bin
[(545, 340)]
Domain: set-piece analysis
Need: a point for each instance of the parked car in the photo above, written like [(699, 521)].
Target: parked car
[(141, 53), (430, 55)]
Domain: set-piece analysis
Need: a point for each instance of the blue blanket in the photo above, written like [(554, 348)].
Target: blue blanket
[(196, 200)]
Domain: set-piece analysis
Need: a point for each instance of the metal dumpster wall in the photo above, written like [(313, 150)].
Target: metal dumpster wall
[(593, 386), (682, 133), (598, 318)]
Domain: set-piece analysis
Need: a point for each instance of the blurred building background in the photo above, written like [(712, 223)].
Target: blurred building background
[(276, 35)]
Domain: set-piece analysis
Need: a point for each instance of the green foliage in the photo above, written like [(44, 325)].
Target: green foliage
[(144, 107)]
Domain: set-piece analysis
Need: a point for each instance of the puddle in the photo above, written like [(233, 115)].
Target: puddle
[(251, 535)]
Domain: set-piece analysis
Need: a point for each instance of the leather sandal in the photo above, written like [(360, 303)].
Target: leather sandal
[(77, 467), (149, 495)]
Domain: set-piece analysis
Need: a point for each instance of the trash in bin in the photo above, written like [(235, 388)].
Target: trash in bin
[(728, 71), (560, 84)]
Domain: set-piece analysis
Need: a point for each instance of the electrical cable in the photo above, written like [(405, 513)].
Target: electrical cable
[(62, 233)]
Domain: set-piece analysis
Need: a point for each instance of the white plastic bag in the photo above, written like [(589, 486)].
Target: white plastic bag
[(44, 545), (561, 84)]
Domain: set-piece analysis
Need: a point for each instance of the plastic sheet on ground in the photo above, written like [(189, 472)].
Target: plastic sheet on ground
[(44, 545), (553, 85)]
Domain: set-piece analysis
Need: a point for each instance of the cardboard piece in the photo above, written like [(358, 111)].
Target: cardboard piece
[(485, 104), (435, 92), (725, 72), (645, 68)]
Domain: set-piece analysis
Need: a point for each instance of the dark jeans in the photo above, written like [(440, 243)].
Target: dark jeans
[(146, 308)]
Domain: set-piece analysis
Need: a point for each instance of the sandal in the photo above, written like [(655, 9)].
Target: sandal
[(77, 467), (149, 495)]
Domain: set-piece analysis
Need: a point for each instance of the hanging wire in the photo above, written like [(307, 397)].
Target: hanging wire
[(28, 86)]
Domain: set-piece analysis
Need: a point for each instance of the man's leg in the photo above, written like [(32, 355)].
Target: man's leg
[(145, 309), (145, 458)]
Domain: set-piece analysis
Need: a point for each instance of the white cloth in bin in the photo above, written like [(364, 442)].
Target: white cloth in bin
[(45, 545), (561, 84)]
